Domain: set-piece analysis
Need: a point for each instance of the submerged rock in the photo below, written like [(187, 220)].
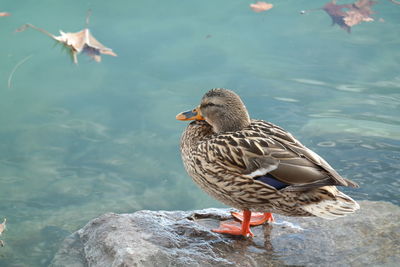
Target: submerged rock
[(183, 238)]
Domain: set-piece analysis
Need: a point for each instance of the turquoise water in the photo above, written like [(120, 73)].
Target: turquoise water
[(79, 141)]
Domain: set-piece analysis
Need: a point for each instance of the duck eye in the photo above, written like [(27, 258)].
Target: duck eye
[(208, 105)]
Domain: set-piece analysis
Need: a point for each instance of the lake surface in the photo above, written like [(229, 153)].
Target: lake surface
[(79, 141)]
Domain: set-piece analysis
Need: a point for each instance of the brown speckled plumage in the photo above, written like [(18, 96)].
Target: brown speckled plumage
[(226, 164)]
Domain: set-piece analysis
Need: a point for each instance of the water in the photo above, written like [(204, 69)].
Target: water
[(79, 141)]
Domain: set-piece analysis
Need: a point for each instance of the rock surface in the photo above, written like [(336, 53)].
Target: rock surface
[(183, 238)]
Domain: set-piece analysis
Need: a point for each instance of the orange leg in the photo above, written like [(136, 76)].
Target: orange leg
[(257, 218), (235, 228)]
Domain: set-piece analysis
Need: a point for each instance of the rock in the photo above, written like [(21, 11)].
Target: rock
[(371, 237)]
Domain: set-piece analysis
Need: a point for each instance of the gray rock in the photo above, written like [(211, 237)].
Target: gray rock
[(183, 238)]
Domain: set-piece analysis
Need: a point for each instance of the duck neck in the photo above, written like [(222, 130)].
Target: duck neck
[(230, 123)]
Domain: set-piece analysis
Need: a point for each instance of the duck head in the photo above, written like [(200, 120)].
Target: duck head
[(222, 109)]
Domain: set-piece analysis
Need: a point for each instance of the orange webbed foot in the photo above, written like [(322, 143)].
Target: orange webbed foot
[(257, 218), (233, 228)]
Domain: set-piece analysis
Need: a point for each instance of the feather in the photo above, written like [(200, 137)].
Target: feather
[(340, 206), (272, 181)]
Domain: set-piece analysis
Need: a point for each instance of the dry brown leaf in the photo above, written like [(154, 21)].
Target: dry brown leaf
[(77, 42), (261, 6), (4, 14), (84, 41), (348, 15)]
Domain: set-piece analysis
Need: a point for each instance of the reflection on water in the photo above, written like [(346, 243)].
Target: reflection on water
[(79, 141)]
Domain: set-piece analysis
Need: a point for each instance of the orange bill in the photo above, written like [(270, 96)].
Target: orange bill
[(190, 115)]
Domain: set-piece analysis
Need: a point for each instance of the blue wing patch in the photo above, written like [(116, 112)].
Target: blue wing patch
[(270, 180)]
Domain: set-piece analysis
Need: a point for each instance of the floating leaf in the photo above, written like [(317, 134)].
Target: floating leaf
[(77, 42), (261, 6), (4, 14), (83, 41), (348, 15)]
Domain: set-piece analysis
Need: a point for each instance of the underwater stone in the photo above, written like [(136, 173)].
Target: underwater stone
[(183, 238)]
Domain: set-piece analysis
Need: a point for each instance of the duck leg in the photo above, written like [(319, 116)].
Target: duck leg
[(235, 228), (257, 218)]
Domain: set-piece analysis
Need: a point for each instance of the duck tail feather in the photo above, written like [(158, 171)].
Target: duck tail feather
[(338, 206)]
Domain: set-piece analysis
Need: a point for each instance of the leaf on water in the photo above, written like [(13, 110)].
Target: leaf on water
[(261, 6), (4, 14), (83, 41), (77, 42), (348, 15)]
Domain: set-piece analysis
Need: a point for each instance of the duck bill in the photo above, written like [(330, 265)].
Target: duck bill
[(190, 115)]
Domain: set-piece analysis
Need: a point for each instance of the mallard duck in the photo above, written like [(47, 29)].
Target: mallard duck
[(256, 166)]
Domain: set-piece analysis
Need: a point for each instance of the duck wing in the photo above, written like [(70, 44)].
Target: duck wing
[(266, 150)]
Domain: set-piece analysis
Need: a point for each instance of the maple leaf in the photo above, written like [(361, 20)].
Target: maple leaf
[(77, 42), (261, 6), (348, 15), (83, 41)]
